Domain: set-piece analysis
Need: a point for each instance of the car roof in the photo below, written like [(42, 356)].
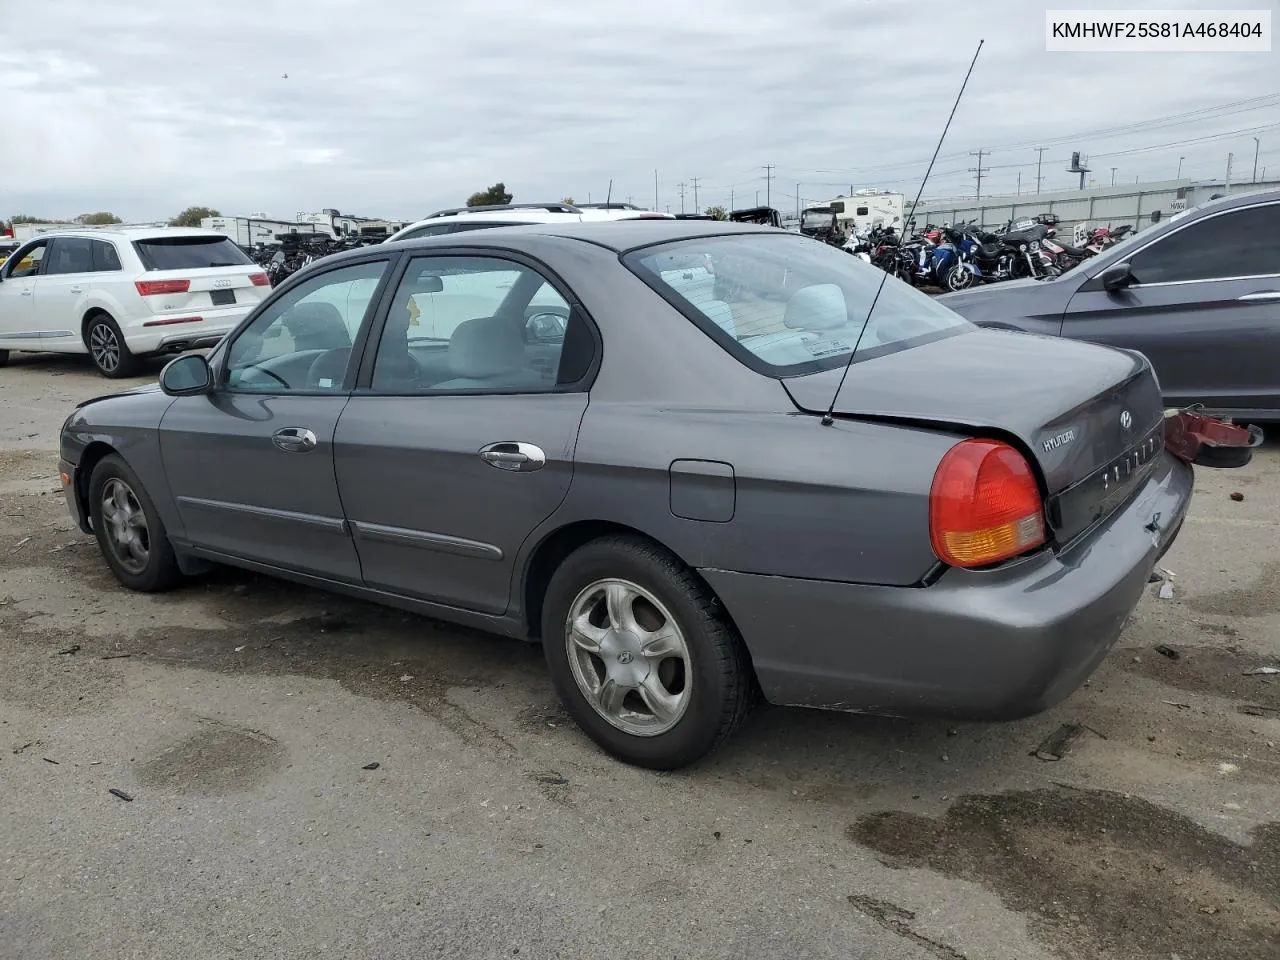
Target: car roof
[(621, 236), (129, 233)]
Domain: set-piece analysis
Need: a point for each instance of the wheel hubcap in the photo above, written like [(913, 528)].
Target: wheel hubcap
[(105, 347), (628, 657), (126, 525)]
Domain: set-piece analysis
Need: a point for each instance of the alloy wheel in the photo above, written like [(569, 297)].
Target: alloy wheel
[(104, 346), (126, 525), (629, 657)]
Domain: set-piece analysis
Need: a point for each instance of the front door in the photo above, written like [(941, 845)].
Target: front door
[(1204, 308), (250, 465), (459, 440), (19, 325)]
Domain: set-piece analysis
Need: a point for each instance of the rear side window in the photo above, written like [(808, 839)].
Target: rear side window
[(105, 258), (70, 255), (189, 253)]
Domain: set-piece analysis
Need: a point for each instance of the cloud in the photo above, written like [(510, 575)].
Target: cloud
[(401, 107)]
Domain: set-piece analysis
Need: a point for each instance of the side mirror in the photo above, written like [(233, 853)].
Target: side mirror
[(1116, 277), (186, 376)]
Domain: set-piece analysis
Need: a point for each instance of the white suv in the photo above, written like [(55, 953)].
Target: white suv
[(516, 214), (118, 294)]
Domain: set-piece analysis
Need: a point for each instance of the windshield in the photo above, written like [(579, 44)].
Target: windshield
[(786, 305), (816, 218)]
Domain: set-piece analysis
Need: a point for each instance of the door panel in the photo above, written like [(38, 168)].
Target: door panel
[(67, 275), (1203, 306), (463, 441), (251, 464), (19, 325), (431, 518), (1206, 343), (239, 493)]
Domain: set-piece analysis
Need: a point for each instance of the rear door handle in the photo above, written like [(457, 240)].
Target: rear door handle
[(294, 439), (77, 289), (514, 456), (1263, 296)]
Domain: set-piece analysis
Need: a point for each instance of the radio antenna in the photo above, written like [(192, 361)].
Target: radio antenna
[(827, 419)]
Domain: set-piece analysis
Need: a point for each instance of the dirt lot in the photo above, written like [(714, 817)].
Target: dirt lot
[(242, 716)]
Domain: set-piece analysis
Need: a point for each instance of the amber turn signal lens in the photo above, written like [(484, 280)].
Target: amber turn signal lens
[(66, 480), (984, 505)]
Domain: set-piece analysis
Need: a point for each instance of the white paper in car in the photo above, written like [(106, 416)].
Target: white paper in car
[(325, 382), (826, 348)]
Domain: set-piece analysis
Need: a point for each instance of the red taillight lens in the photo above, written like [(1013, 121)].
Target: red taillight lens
[(259, 279), (984, 505), (151, 288)]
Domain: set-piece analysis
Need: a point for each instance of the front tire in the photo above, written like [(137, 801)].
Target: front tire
[(958, 278), (643, 655), (130, 533), (107, 349)]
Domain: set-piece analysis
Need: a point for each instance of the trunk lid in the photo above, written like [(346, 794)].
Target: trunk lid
[(1090, 417)]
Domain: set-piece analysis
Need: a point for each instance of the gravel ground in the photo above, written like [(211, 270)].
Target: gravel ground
[(242, 717)]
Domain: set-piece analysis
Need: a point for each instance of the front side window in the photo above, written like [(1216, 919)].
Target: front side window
[(302, 341), (472, 324), (1240, 243), (787, 305), (26, 262)]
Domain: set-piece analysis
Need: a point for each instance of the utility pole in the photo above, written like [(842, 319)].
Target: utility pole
[(731, 199), (978, 170), (682, 196), (655, 188), (1039, 159), (1180, 159), (1257, 145), (1019, 183), (696, 208), (1113, 175), (757, 198), (1226, 186), (768, 185)]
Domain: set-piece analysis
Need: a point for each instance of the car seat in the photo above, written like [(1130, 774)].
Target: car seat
[(489, 352), (817, 307)]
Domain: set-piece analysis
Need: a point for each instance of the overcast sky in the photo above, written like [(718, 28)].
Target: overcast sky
[(398, 107)]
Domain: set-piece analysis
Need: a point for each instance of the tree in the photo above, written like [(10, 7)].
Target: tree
[(495, 194), (24, 218), (717, 213), (101, 218), (567, 200), (192, 216)]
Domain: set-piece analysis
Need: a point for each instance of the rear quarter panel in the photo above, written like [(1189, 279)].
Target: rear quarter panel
[(846, 502)]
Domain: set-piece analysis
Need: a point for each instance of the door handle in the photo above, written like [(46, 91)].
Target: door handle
[(514, 456), (77, 289), (27, 292), (294, 439), (1264, 296)]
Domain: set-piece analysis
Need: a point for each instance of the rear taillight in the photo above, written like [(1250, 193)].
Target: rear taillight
[(984, 505), (260, 279), (152, 288)]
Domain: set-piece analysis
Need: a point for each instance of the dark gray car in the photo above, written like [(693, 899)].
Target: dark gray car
[(560, 433), (1198, 294)]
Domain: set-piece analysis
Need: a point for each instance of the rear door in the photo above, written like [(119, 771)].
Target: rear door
[(67, 276), (460, 439), (1205, 309), (19, 323)]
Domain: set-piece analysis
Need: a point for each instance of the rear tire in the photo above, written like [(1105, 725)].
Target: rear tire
[(130, 533), (107, 349), (669, 686)]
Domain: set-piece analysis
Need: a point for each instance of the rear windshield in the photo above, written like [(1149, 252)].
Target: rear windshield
[(787, 305), (189, 253)]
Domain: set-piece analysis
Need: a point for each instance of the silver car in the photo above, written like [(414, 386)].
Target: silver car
[(678, 454)]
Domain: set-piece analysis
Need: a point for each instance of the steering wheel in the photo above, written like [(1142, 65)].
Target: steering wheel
[(272, 374)]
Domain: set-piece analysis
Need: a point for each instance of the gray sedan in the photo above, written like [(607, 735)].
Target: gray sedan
[(1198, 294), (691, 488)]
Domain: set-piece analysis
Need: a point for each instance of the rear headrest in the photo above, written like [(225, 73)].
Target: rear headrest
[(486, 347), (817, 307)]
